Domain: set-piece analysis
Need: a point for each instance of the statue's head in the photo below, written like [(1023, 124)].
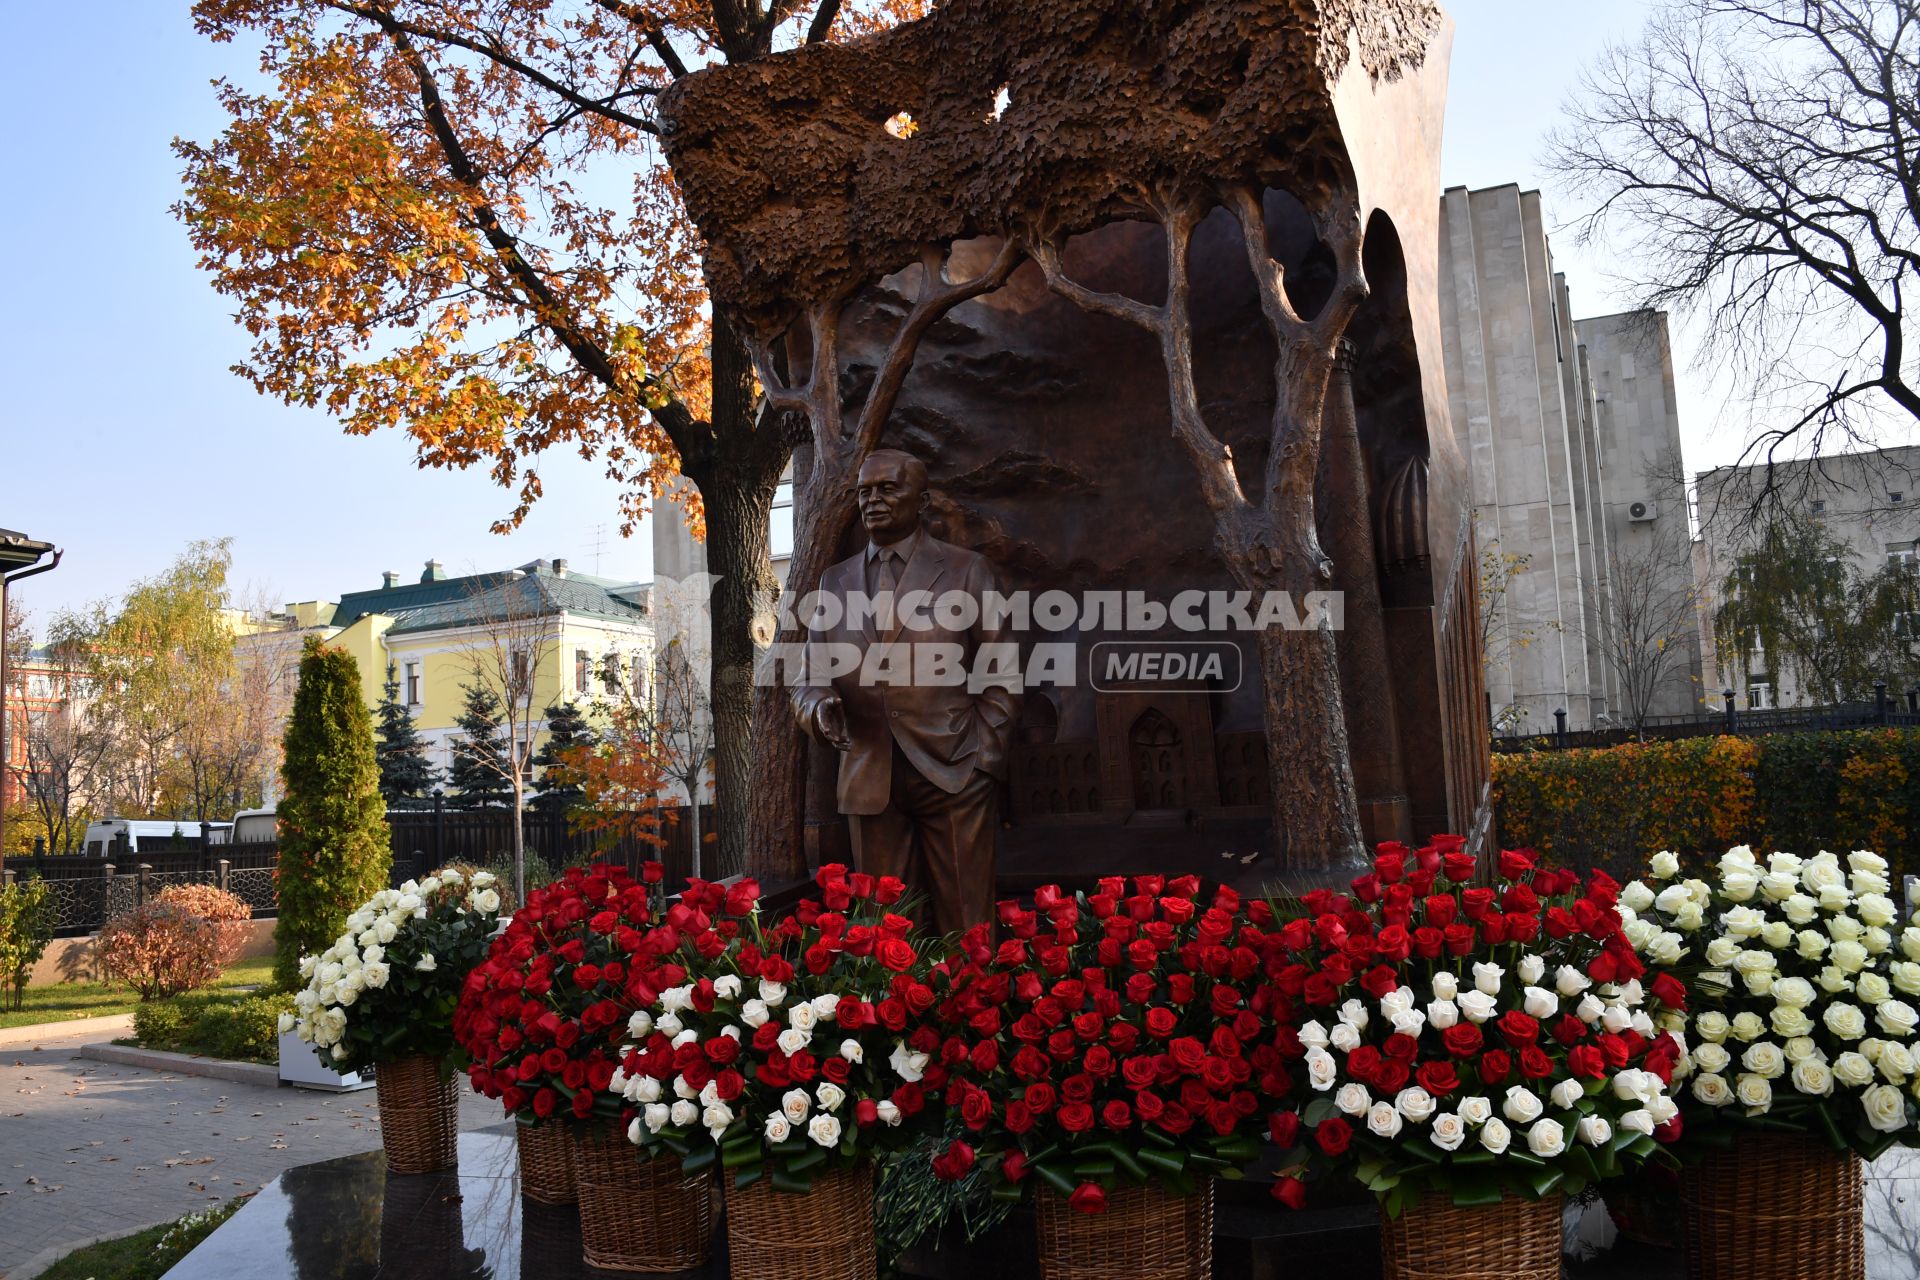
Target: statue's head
[(892, 493)]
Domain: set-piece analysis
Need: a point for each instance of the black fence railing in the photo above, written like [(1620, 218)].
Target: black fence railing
[(1882, 712), (89, 891)]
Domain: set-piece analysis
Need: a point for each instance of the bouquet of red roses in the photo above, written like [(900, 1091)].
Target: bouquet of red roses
[(1113, 1036), (786, 1050), (1470, 1039), (542, 1018)]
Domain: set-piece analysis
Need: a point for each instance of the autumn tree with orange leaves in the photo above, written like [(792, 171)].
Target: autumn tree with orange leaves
[(450, 217)]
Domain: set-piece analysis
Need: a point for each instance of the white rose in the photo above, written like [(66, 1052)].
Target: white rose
[(850, 1050), (1875, 909), (1739, 885), (349, 991), (1396, 1002), (1667, 948), (1811, 1076), (1662, 1108), (1896, 1063), (1747, 1026), (1800, 1048), (1638, 1120), (1448, 1132), (657, 1116), (1845, 1020), (386, 931), (1833, 981), (1867, 860), (1322, 1070), (1635, 1085), (1567, 1093), (1722, 952), (1777, 934), (1547, 1138), (1663, 865), (1343, 1037), (644, 1089), (1494, 1135), (1848, 957), (1615, 1019), (376, 975), (1896, 1018), (1777, 886), (1353, 1099), (1594, 1131), (1589, 1009), (1765, 1059), (1446, 986), (1711, 1088), (1354, 1014), (1445, 1013), (830, 1095), (1313, 1035), (889, 1113), (755, 1013), (1799, 908), (1409, 1022), (683, 1113), (1820, 871), (1873, 989), (727, 986), (716, 1116), (802, 1017), (1810, 945), (667, 1024), (1540, 1003), (640, 1025), (824, 1006), (1476, 1006), (1754, 1092), (682, 1089), (1476, 1110), (1738, 858), (1711, 1057), (1383, 1121), (793, 1040), (1415, 1103), (1672, 898), (1789, 1022), (908, 1064), (824, 1129), (1486, 977), (773, 993), (1886, 1108), (1531, 968), (1852, 1070), (1520, 1105), (779, 1129), (1636, 896), (795, 1104)]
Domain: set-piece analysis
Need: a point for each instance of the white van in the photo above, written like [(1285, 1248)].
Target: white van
[(253, 826), (153, 835)]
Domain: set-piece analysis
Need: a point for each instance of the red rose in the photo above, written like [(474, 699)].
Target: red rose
[(1458, 866), (1517, 1028), (1403, 1047), (1534, 1063), (1333, 1134), (1380, 981), (1585, 1060), (1187, 1054), (1391, 1077), (652, 872), (1116, 1115), (1019, 1118), (952, 1164), (1441, 909), (1284, 1128), (1013, 1165), (1669, 990), (977, 1109), (1438, 1078), (1496, 1066), (866, 1113), (1290, 1192), (1076, 1117), (1088, 1198), (544, 1102), (896, 954), (1161, 1023)]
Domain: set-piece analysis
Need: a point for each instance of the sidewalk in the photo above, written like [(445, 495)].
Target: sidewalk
[(90, 1150)]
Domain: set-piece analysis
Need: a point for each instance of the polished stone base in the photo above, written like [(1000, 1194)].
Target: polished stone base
[(346, 1219)]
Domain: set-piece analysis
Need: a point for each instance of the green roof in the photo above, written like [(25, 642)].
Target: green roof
[(537, 593), (355, 605)]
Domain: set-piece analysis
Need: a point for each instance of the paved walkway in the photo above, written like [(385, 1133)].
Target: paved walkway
[(90, 1150)]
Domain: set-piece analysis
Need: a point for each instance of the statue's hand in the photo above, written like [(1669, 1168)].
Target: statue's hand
[(830, 718)]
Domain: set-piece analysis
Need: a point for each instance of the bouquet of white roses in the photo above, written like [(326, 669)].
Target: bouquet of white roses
[(1805, 991), (387, 988)]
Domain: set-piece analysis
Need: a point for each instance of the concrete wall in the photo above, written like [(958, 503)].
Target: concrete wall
[(77, 959)]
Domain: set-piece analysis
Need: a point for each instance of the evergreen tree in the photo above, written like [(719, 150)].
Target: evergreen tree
[(567, 729), (478, 775), (406, 775), (335, 850)]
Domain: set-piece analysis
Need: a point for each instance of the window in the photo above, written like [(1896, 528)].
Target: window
[(1759, 696), (517, 672), (1902, 553), (1906, 625), (582, 671), (1818, 506), (1896, 497), (413, 684), (639, 677), (610, 672)]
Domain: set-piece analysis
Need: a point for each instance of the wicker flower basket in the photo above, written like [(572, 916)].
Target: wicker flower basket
[(546, 1163), (1777, 1206), (826, 1234), (638, 1214), (1145, 1234), (419, 1114), (1438, 1240)]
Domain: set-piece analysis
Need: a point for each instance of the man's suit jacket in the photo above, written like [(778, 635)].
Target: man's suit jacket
[(947, 731)]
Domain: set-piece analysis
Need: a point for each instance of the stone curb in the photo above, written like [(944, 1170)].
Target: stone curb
[(41, 1032), (44, 1260), (185, 1064)]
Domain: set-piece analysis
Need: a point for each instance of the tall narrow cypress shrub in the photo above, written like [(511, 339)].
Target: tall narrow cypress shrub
[(335, 851)]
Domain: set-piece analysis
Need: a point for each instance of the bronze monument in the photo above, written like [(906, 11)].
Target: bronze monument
[(921, 762)]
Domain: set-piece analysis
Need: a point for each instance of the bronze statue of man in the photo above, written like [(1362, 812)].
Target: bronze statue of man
[(921, 758)]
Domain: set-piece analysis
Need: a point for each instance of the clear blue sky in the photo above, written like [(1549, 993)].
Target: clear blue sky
[(126, 436)]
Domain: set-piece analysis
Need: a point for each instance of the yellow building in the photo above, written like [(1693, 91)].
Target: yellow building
[(563, 631)]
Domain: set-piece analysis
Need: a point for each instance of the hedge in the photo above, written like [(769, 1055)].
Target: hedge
[(241, 1028), (1614, 806)]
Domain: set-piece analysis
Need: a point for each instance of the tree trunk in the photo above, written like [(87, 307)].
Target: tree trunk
[(1316, 823), (693, 820), (519, 841), (737, 479)]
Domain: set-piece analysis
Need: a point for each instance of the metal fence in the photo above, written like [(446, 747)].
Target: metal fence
[(87, 891), (1882, 712)]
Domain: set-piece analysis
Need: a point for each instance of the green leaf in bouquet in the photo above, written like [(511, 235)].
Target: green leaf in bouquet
[(1828, 1128), (1479, 1157), (791, 1146), (1316, 1111), (1007, 1192), (699, 1158), (791, 1181), (1642, 1146), (740, 1152), (810, 1159), (1054, 1178), (1477, 1190), (1094, 1167), (1544, 1180), (1166, 1162), (1125, 1159), (747, 1176), (1180, 1184), (1239, 1148), (1425, 1151)]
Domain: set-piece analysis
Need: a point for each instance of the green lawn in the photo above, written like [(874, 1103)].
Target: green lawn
[(66, 1001), (144, 1255)]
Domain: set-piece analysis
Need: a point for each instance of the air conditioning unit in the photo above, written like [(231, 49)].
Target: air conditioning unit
[(1640, 512)]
